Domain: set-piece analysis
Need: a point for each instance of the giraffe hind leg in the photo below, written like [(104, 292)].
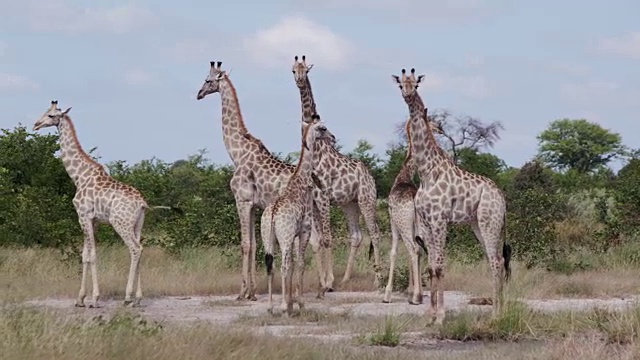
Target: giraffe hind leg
[(138, 234), (128, 235)]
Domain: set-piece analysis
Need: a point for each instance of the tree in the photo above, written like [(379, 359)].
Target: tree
[(483, 164), (465, 132), (459, 133), (579, 144)]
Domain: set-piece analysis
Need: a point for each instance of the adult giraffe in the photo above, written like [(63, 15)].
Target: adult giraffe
[(345, 182), (257, 178), (449, 194)]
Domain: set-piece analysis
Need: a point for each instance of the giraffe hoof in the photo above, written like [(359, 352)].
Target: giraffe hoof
[(240, 298), (385, 301), (330, 289), (128, 303), (413, 302), (253, 298), (80, 305)]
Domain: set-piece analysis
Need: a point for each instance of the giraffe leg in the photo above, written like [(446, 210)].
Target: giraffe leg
[(135, 251), (321, 211), (87, 228), (392, 261), (352, 213), (138, 234), (318, 253), (488, 233), (303, 241), (268, 241), (244, 213), (368, 210), (251, 295), (436, 262), (287, 275)]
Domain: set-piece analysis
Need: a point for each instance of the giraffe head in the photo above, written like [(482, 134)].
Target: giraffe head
[(317, 131), (212, 82), (300, 70), (408, 84), (51, 117)]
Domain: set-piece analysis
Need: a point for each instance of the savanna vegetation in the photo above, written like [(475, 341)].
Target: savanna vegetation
[(572, 222)]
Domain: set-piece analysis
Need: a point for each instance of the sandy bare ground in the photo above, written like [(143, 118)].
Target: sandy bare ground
[(226, 310)]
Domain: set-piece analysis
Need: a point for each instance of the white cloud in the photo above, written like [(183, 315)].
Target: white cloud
[(433, 10), (476, 86), (138, 77), (14, 82), (627, 45), (590, 91), (297, 35), (62, 16)]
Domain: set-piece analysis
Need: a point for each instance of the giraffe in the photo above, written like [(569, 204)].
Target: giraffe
[(403, 224), (345, 181), (448, 194), (289, 217), (258, 176), (99, 199)]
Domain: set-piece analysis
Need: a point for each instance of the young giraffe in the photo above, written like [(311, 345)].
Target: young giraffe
[(403, 224), (345, 181), (258, 175), (99, 199), (290, 217), (449, 194)]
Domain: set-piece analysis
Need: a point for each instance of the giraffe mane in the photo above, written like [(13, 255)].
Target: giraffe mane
[(83, 153)]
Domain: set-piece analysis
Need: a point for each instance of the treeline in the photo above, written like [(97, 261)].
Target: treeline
[(564, 200)]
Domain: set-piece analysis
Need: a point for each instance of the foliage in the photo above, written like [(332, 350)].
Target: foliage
[(550, 214), (579, 144)]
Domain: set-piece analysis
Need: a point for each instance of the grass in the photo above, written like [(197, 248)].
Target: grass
[(45, 334)]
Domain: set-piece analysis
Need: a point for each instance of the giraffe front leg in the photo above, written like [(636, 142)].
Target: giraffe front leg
[(89, 259), (352, 213), (244, 213), (392, 262), (368, 210), (318, 253), (251, 294), (85, 267), (322, 229)]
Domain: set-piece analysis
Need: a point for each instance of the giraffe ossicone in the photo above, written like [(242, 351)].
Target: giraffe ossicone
[(448, 194)]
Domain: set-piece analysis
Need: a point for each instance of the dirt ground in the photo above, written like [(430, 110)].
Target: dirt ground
[(225, 310)]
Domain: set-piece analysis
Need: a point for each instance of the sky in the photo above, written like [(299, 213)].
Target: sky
[(131, 69)]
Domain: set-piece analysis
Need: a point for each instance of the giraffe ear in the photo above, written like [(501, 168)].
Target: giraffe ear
[(309, 67), (66, 111), (396, 79), (420, 78)]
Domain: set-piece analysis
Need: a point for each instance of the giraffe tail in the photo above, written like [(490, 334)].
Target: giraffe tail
[(370, 250), (506, 251), (172, 208), (420, 243), (268, 236)]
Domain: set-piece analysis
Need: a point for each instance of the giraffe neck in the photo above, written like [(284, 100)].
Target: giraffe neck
[(234, 130), (425, 150), (76, 161), (301, 177), (408, 168), (307, 102)]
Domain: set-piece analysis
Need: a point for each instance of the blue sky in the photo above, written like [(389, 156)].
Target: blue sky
[(131, 69)]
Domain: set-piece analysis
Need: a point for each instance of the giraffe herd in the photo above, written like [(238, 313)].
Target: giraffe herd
[(296, 200)]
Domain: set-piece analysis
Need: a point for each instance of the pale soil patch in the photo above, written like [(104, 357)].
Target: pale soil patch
[(336, 318)]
